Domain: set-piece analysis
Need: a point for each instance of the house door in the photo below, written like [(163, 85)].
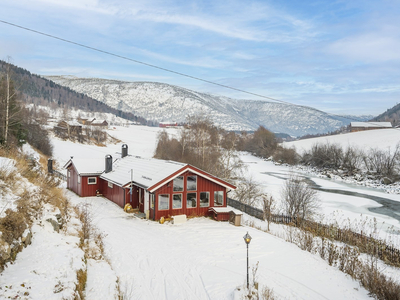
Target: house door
[(141, 200), (132, 199)]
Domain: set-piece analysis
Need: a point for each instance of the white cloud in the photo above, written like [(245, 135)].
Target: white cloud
[(86, 5), (204, 62), (368, 47), (98, 73)]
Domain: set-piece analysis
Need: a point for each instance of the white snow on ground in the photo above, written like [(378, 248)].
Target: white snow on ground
[(334, 207), (9, 192), (141, 140), (205, 259), (377, 138), (200, 259), (46, 269)]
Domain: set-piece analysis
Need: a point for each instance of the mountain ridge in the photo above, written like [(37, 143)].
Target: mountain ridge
[(164, 102)]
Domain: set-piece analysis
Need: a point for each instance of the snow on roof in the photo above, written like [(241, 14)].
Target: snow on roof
[(74, 123), (146, 171), (88, 166), (98, 122), (371, 124), (226, 210)]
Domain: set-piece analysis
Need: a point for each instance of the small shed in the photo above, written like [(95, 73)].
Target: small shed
[(220, 213), (83, 175)]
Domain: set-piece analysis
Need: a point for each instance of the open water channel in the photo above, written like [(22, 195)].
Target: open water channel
[(388, 207)]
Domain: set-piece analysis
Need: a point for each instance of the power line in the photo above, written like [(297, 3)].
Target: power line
[(159, 68)]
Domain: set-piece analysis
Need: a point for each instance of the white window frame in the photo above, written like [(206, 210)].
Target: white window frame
[(79, 179), (95, 180), (173, 202), (187, 187), (216, 193), (110, 185), (183, 184), (158, 205), (208, 204), (188, 200)]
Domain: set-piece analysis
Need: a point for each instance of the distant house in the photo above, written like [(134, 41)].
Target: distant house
[(67, 129), (158, 188), (360, 126), (168, 124), (99, 123)]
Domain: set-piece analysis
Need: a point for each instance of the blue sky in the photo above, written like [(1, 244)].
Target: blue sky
[(342, 57)]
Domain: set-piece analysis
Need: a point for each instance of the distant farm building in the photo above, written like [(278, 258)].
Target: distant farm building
[(99, 123), (66, 129), (361, 126), (157, 188), (92, 122), (168, 124)]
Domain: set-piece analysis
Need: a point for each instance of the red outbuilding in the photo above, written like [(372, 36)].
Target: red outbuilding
[(158, 188)]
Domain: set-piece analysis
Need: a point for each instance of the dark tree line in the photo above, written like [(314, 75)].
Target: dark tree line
[(40, 91), (17, 123), (379, 162)]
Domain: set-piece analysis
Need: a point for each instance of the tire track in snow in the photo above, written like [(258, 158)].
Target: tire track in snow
[(290, 287)]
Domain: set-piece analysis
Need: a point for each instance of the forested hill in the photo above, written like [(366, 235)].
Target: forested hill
[(41, 91), (390, 115)]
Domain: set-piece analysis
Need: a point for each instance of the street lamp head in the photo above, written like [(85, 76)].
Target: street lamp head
[(247, 238)]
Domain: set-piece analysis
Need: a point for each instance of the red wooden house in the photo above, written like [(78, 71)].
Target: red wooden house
[(158, 188)]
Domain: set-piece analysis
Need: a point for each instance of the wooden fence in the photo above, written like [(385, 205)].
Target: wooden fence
[(365, 243), (60, 175)]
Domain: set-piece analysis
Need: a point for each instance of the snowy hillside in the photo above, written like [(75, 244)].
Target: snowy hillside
[(379, 138), (164, 102), (200, 259)]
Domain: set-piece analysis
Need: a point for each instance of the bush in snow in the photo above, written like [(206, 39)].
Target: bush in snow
[(299, 200)]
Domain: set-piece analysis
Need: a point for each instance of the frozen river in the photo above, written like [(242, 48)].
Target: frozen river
[(341, 202)]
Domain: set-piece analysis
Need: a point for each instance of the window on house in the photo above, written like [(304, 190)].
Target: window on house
[(163, 202), (204, 199), (79, 179), (191, 200), (152, 201), (110, 185), (178, 184), (218, 198), (177, 201), (191, 183), (92, 180)]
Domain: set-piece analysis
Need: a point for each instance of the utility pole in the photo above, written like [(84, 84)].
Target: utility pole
[(7, 104)]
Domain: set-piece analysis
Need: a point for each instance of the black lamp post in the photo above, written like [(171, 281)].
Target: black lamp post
[(247, 239)]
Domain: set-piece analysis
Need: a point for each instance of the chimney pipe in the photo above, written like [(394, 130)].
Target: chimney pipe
[(108, 163), (50, 166), (124, 150)]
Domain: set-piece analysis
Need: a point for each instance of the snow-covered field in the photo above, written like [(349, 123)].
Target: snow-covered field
[(205, 259), (379, 138), (200, 259)]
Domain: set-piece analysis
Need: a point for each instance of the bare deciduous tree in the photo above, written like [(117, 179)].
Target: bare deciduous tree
[(385, 163), (249, 191), (268, 208), (300, 201), (352, 159), (203, 145)]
